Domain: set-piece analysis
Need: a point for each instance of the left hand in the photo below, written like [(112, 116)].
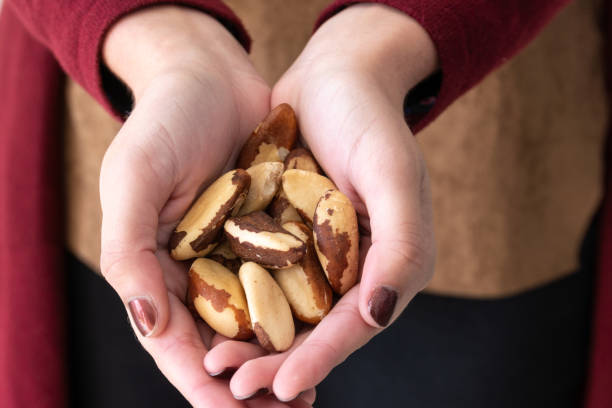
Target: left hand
[(347, 88)]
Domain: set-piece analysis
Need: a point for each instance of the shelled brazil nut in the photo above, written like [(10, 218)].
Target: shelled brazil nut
[(265, 181), (219, 299), (256, 237), (268, 307), (304, 284), (336, 239), (197, 233), (277, 211), (272, 140), (303, 189)]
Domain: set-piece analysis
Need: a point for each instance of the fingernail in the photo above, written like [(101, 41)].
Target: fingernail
[(144, 315), (290, 399), (224, 374), (382, 304), (259, 393)]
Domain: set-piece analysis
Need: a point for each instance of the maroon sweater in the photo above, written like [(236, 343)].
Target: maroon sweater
[(39, 38)]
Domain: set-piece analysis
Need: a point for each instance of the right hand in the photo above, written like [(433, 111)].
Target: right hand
[(197, 98)]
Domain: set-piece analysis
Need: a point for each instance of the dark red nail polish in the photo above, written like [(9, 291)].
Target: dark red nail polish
[(143, 314), (382, 304), (224, 374), (259, 393)]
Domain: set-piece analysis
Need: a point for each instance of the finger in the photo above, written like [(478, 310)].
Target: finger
[(178, 352), (271, 402), (218, 339), (399, 261), (229, 356), (206, 333), (309, 396), (258, 373), (129, 233), (338, 335)]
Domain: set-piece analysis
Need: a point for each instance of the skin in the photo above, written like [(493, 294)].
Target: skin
[(197, 99), (347, 88)]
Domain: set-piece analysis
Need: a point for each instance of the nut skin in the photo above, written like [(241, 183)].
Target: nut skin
[(265, 182), (272, 140), (198, 232), (270, 313), (217, 296), (256, 237), (281, 209), (304, 189), (301, 159), (304, 284), (336, 239), (223, 254)]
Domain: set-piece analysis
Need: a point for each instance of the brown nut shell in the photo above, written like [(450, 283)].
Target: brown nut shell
[(256, 237), (281, 209), (198, 231), (304, 284), (301, 159), (336, 238), (218, 297), (272, 140), (265, 182), (270, 313), (304, 189)]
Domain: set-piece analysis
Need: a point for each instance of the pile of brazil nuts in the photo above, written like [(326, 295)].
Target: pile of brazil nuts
[(272, 239)]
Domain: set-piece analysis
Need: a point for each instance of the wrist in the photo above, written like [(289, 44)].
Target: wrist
[(165, 39), (380, 42)]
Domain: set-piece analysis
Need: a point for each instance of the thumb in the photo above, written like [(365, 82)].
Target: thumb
[(399, 263), (132, 197)]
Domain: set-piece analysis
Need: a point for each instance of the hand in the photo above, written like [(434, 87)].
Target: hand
[(347, 88), (197, 99)]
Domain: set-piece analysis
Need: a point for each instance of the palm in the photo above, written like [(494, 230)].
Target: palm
[(359, 137), (158, 162)]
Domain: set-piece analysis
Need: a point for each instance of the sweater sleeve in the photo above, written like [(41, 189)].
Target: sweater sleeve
[(472, 37), (74, 31)]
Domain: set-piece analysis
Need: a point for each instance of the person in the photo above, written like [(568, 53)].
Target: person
[(175, 139)]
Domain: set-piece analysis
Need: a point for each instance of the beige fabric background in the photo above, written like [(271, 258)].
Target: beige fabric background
[(515, 163)]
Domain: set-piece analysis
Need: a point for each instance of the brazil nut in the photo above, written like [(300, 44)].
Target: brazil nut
[(270, 313), (304, 189), (301, 159), (272, 140), (223, 254), (336, 239), (265, 181), (304, 284), (197, 233), (256, 237), (281, 209), (218, 297)]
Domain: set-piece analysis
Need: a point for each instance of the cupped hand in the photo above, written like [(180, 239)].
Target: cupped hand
[(347, 88), (197, 98)]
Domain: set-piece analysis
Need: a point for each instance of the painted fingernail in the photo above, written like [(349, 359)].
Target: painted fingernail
[(224, 374), (259, 393), (382, 304), (144, 315)]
